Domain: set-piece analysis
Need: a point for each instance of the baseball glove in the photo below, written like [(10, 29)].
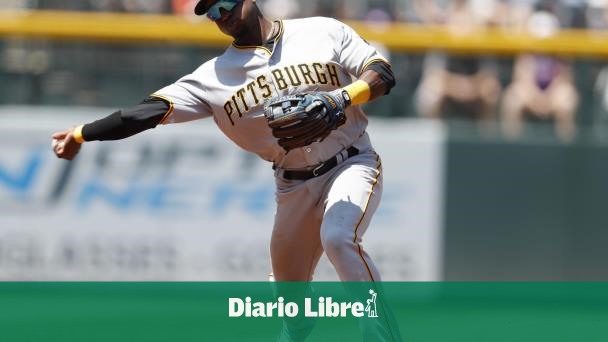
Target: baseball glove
[(299, 120)]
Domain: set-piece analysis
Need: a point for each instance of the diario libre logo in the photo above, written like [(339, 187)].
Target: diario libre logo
[(323, 307)]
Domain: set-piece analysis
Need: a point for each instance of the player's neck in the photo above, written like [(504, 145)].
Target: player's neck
[(258, 33)]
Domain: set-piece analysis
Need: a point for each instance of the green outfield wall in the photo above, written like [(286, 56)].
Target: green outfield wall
[(534, 209)]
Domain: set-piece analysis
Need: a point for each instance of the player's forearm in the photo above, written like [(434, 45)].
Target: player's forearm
[(127, 122), (380, 78), (377, 80)]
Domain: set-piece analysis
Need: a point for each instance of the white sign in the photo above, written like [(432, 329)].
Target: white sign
[(182, 203)]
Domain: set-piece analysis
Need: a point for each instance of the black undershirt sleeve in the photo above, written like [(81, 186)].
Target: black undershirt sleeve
[(386, 74), (127, 122)]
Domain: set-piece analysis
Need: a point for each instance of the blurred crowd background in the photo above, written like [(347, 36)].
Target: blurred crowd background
[(495, 91)]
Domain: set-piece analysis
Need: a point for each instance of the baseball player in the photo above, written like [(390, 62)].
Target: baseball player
[(289, 91)]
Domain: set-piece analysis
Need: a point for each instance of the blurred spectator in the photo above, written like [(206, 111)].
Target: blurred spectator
[(460, 86), (146, 6), (601, 91), (15, 4), (378, 16), (597, 18), (281, 9), (135, 6), (340, 9), (429, 12), (517, 14), (597, 14), (107, 5), (489, 12), (60, 5), (542, 87), (572, 13), (183, 7)]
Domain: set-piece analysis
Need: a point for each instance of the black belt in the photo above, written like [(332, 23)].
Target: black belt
[(319, 169)]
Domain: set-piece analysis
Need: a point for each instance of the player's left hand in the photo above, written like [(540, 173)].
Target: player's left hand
[(64, 145), (335, 101)]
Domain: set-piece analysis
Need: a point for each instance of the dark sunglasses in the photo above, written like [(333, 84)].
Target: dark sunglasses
[(214, 11)]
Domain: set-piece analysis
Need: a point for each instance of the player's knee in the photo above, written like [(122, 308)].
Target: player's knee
[(335, 242)]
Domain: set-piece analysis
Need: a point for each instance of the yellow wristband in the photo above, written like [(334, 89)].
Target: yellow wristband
[(77, 133), (359, 92)]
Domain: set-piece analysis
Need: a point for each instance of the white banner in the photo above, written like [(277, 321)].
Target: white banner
[(182, 203)]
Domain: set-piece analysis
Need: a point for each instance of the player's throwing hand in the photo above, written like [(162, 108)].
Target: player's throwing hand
[(65, 144)]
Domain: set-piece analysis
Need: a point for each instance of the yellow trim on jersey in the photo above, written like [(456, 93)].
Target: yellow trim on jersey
[(247, 47), (77, 134), (171, 107), (372, 61), (379, 168), (359, 92), (253, 47), (281, 30)]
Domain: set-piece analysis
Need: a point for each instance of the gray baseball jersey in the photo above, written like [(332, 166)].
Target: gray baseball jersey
[(310, 54)]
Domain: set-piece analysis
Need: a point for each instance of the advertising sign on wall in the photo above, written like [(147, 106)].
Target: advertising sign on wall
[(182, 203)]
